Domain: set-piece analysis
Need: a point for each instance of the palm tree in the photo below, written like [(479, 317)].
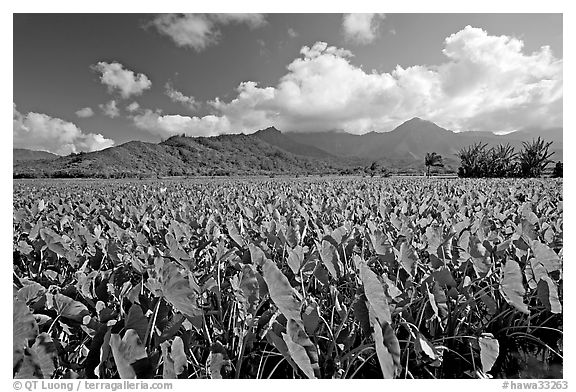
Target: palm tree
[(432, 160), (558, 170), (534, 158), (502, 161), (473, 161)]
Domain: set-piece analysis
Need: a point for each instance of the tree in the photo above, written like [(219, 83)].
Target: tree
[(558, 170), (474, 161), (374, 167), (534, 158), (432, 160), (501, 161)]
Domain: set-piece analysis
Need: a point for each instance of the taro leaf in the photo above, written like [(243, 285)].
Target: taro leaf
[(178, 355), (275, 340), (172, 327), (408, 258), (174, 248), (490, 303), (387, 349), (43, 354), (301, 349), (444, 277), (24, 327), (66, 307), (292, 236), (249, 288), (126, 352), (546, 256), (534, 272), (330, 258), (489, 349), (24, 247), (322, 275), (28, 369), (281, 293), (295, 258), (361, 314), (433, 239), (168, 371), (512, 287), (381, 244), (375, 293), (548, 295), (30, 292), (234, 233), (311, 316), (257, 255), (53, 242), (480, 256), (425, 346), (137, 321), (391, 288), (217, 361), (178, 292), (528, 230), (438, 302)]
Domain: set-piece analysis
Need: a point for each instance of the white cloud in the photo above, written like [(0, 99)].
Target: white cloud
[(198, 31), (125, 81), (85, 112), (134, 106), (38, 131), (486, 83), (175, 124), (178, 97), (292, 33), (110, 109), (361, 28)]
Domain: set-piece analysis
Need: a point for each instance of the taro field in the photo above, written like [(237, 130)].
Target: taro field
[(288, 278)]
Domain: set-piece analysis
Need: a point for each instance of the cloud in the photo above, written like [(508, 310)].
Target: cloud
[(134, 106), (292, 33), (125, 81), (361, 28), (38, 131), (110, 109), (198, 31), (178, 97), (85, 112), (175, 124), (486, 83)]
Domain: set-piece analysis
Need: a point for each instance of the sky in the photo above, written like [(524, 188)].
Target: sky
[(84, 82)]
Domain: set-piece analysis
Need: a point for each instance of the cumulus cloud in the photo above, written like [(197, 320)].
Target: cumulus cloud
[(38, 131), (198, 31), (175, 124), (122, 80), (110, 109), (361, 28), (85, 112), (178, 97), (134, 106), (486, 83)]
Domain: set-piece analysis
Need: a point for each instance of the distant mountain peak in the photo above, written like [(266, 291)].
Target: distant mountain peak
[(269, 130)]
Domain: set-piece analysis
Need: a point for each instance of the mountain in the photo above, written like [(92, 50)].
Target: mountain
[(22, 154), (178, 155), (411, 140), (276, 138), (270, 151)]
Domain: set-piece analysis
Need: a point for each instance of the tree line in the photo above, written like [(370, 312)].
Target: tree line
[(479, 161), (503, 161)]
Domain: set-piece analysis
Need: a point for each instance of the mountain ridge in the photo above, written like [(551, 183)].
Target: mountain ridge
[(270, 151)]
